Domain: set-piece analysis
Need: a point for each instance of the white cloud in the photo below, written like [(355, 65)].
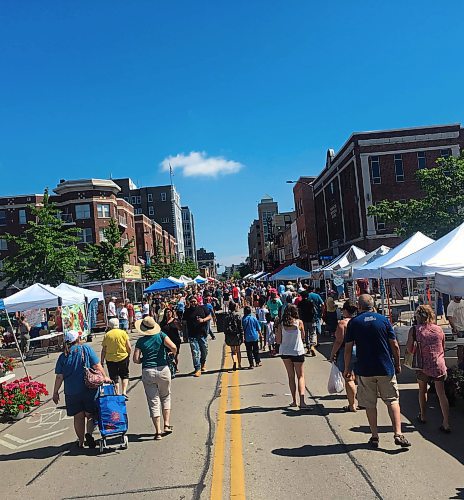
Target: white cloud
[(198, 164)]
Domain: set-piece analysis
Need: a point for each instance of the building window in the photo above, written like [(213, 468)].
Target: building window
[(151, 210), (103, 210), (3, 244), (101, 235), (163, 196), (127, 198), (399, 170), (124, 241), (85, 235), (133, 200), (138, 211), (1, 265), (445, 153), (83, 211), (150, 198), (2, 217), (165, 220), (421, 161), (375, 170), (22, 216), (138, 200), (380, 225)]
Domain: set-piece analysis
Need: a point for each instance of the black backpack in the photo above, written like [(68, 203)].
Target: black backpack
[(232, 324)]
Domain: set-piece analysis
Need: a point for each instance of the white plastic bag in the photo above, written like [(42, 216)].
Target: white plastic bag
[(336, 381)]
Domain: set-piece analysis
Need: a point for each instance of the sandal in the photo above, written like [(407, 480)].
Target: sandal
[(168, 429), (374, 442), (349, 409), (444, 429), (292, 405), (158, 437), (400, 440)]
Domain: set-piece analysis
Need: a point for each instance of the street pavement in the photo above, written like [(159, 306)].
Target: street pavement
[(234, 437)]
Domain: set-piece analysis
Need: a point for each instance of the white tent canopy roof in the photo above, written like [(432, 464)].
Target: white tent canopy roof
[(352, 254), (88, 294), (445, 254), (451, 282), (375, 268), (186, 280), (40, 296), (347, 271)]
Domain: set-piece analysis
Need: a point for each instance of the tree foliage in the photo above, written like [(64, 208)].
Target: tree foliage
[(46, 252), (107, 259), (159, 268), (438, 212)]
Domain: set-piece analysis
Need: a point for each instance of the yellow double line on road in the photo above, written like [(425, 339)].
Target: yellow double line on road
[(237, 470)]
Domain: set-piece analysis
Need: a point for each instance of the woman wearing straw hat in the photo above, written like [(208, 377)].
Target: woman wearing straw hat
[(151, 351)]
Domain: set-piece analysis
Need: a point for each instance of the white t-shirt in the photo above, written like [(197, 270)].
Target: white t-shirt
[(146, 309), (123, 313), (456, 311), (111, 308)]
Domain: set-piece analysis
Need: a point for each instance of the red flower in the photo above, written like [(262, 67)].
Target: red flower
[(21, 407), (36, 402)]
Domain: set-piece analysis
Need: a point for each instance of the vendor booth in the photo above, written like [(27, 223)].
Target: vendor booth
[(291, 272), (450, 282), (163, 285), (352, 254)]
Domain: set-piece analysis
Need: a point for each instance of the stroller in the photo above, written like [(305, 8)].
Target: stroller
[(112, 416)]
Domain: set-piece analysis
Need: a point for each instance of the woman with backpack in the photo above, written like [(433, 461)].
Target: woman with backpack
[(233, 334)]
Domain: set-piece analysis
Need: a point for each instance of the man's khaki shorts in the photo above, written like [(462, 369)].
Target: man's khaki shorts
[(384, 386)]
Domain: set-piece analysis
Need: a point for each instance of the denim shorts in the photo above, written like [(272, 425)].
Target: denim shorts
[(341, 360)]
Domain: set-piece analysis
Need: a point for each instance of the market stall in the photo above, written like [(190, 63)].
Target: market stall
[(291, 272), (450, 282), (163, 285)]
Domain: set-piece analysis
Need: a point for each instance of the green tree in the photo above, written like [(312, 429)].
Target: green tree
[(106, 260), (158, 268), (438, 212), (45, 252)]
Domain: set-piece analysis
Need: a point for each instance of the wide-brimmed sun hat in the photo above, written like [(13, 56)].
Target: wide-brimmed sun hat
[(147, 326)]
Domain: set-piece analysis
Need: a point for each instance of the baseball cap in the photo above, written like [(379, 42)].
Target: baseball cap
[(71, 336)]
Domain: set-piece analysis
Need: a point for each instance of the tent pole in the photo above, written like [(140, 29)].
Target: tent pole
[(17, 345)]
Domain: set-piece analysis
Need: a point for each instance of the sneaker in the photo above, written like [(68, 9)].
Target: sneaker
[(203, 369), (197, 373)]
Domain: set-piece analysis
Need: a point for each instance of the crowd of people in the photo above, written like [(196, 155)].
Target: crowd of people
[(285, 321)]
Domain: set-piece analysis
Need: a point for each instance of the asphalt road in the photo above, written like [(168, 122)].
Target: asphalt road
[(234, 437)]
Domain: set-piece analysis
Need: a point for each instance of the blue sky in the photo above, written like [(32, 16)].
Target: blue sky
[(257, 90)]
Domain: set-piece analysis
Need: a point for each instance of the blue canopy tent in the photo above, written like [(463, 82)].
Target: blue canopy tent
[(199, 280), (163, 285), (292, 272)]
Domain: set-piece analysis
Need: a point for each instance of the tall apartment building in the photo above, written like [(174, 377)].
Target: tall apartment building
[(188, 226), (87, 204), (261, 256), (160, 204), (370, 167)]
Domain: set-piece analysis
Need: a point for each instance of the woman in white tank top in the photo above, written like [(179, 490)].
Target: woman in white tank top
[(290, 335)]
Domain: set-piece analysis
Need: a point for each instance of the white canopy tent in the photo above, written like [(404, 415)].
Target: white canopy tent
[(375, 268), (186, 280), (450, 282), (88, 294), (347, 271), (445, 254), (352, 254), (40, 296)]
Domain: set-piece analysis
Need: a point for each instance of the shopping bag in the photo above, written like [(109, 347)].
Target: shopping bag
[(336, 381)]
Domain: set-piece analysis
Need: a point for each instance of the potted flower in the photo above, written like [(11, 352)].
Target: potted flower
[(20, 396), (6, 365)]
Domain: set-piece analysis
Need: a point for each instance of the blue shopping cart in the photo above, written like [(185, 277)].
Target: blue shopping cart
[(112, 416)]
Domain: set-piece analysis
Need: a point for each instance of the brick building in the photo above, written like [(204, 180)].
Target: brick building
[(206, 263), (160, 204), (370, 167), (303, 195)]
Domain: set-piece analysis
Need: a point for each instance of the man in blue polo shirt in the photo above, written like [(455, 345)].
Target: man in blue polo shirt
[(378, 361)]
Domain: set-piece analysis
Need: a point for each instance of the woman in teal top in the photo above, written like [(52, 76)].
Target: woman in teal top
[(151, 351)]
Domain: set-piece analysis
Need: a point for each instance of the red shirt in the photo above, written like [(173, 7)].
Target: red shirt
[(235, 292)]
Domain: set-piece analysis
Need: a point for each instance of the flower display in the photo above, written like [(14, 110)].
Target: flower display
[(6, 364), (21, 395)]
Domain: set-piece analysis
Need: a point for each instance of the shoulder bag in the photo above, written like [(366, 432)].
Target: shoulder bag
[(413, 360), (93, 379)]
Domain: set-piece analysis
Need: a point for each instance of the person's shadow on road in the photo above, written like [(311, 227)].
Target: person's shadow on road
[(309, 450)]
